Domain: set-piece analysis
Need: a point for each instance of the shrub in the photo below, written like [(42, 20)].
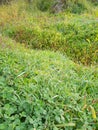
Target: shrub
[(74, 6), (82, 40), (44, 5), (79, 42)]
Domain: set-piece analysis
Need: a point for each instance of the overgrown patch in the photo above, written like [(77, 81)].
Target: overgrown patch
[(42, 89), (78, 41), (45, 90)]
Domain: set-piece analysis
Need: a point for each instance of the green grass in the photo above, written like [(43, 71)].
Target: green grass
[(73, 35), (48, 69), (78, 41), (45, 90)]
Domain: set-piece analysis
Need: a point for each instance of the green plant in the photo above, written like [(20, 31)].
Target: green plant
[(45, 90), (41, 89), (78, 41), (44, 5)]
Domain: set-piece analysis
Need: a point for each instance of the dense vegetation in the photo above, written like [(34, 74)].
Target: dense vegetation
[(49, 65)]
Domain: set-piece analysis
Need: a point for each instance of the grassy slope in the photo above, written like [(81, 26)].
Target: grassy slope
[(73, 35), (44, 89)]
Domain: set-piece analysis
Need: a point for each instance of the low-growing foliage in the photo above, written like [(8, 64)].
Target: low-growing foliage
[(48, 88), (79, 41), (45, 90), (75, 36)]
